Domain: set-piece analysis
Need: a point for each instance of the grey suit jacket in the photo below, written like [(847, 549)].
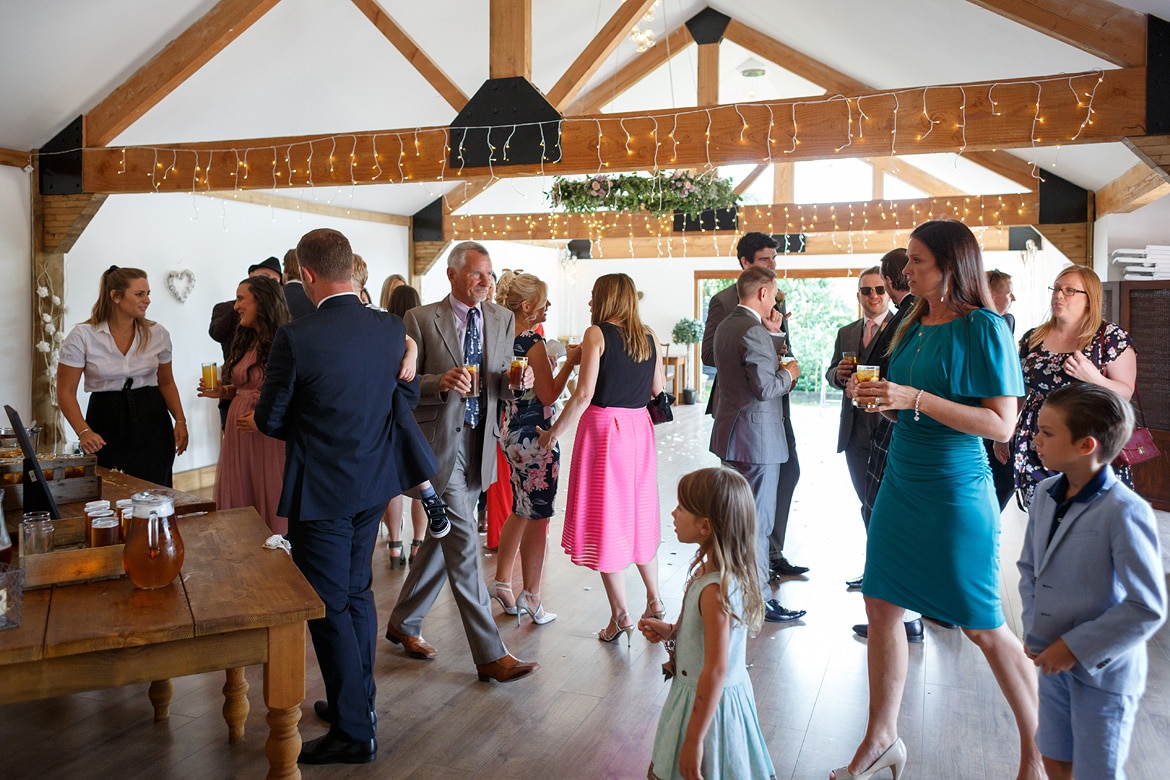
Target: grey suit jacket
[(749, 413), (1099, 585), (440, 348), (849, 340)]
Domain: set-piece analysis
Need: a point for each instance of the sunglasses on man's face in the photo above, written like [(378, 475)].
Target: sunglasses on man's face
[(880, 290)]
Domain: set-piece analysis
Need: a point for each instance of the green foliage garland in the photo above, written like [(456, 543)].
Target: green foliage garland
[(660, 193)]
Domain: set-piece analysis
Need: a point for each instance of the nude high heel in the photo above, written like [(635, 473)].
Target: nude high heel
[(894, 758), (651, 612), (618, 629)]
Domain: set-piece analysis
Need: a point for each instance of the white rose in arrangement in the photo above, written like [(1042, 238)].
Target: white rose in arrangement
[(43, 346), (59, 336), (42, 292), (50, 328), (56, 299), (46, 318)]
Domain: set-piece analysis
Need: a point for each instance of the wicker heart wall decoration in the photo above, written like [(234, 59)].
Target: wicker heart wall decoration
[(181, 283)]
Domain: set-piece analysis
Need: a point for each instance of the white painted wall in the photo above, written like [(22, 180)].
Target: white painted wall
[(16, 313), (217, 240)]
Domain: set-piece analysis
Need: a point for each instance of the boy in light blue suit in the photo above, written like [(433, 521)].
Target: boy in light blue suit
[(1092, 585)]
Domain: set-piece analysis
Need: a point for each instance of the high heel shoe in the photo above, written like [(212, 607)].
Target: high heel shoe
[(396, 561), (618, 629), (505, 587), (530, 603), (650, 612), (894, 758)]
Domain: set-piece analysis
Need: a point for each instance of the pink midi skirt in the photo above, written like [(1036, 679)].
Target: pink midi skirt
[(611, 515)]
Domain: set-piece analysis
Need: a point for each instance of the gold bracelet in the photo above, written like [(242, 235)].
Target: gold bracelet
[(81, 432)]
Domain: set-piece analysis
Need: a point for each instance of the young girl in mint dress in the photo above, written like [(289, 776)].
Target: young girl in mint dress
[(709, 723)]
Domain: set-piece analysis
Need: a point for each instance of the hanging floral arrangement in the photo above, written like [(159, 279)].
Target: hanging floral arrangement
[(659, 193)]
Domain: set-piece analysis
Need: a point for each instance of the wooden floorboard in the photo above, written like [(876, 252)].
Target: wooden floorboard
[(591, 711)]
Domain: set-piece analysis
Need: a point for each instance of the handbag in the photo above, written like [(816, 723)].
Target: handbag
[(659, 408), (1140, 446)]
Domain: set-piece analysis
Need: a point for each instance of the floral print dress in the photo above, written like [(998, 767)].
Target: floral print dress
[(1043, 373), (534, 469)]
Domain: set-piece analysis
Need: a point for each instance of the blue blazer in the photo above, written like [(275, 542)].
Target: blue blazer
[(1099, 585), (329, 394)]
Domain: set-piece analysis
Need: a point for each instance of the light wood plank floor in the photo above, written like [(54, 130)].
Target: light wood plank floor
[(590, 712)]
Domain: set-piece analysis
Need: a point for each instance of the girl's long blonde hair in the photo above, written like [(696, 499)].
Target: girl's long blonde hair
[(615, 300), (724, 497), (115, 279), (1091, 322)]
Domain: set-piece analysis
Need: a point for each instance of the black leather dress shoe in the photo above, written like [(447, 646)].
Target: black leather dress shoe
[(321, 708), (774, 613), (913, 630), (941, 623), (331, 749), (853, 584), (782, 568)]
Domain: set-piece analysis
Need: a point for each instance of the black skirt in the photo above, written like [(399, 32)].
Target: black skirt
[(137, 428)]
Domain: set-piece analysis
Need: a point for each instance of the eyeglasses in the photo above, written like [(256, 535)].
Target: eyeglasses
[(1067, 292), (880, 290)]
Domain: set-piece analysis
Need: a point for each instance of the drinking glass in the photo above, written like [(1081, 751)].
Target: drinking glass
[(867, 374), (210, 375)]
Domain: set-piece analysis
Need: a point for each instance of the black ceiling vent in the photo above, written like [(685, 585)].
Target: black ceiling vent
[(708, 25), (1062, 202), (507, 122), (60, 161), (427, 222), (1157, 76)]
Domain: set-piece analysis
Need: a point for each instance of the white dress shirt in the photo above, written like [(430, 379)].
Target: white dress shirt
[(92, 348)]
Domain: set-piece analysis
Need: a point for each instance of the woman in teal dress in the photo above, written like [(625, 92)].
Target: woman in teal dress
[(934, 533)]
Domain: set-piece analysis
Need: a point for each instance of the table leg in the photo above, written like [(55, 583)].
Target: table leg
[(160, 694), (235, 704), (284, 690)]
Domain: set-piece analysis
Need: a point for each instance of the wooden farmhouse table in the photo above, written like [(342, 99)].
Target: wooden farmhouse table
[(234, 604)]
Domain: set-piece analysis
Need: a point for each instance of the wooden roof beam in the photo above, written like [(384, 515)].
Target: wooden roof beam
[(913, 175), (669, 138), (413, 53), (634, 71), (832, 80), (612, 33), (750, 179), (511, 39), (186, 54), (15, 157), (972, 210), (1101, 28), (722, 244), (1140, 186)]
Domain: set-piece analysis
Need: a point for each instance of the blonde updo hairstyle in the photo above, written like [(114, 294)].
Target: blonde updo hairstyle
[(517, 288)]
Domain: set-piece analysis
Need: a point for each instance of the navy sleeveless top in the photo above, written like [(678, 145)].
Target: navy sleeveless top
[(621, 381)]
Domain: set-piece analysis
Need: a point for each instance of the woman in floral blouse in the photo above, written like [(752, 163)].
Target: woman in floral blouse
[(1073, 345), (534, 469)]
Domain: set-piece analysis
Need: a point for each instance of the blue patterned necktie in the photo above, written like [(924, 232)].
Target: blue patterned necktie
[(472, 355)]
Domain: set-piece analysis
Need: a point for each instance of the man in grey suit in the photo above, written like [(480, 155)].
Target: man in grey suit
[(748, 434), (861, 338), (462, 329), (759, 249)]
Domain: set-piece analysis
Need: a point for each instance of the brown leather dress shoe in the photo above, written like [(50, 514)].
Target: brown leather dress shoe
[(415, 646), (506, 669)]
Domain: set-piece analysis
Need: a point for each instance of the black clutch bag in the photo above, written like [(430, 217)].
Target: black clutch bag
[(659, 408)]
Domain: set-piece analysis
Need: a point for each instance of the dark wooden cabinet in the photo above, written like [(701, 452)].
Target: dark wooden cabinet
[(1143, 310)]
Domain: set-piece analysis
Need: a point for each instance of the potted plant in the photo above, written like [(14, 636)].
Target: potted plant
[(687, 331)]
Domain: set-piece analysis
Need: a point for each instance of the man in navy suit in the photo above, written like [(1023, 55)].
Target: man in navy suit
[(298, 301), (328, 394)]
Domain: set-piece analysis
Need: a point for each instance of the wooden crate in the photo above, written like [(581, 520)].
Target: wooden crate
[(70, 478), (70, 560)]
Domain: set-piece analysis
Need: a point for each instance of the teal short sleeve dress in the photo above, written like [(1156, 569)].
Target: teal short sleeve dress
[(933, 543), (734, 746)]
